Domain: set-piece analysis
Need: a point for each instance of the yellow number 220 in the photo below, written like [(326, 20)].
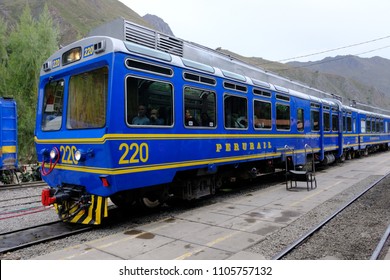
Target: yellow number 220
[(134, 153)]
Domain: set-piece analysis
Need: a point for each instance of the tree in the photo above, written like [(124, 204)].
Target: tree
[(48, 34), (30, 43), (3, 55)]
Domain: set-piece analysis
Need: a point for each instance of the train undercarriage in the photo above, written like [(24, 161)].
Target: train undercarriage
[(193, 184), (74, 204)]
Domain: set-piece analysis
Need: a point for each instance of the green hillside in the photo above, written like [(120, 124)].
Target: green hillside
[(74, 18)]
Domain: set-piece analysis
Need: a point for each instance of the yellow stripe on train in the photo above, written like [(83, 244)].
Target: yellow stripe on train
[(7, 149)]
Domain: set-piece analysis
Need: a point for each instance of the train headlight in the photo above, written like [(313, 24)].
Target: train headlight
[(54, 154), (79, 155)]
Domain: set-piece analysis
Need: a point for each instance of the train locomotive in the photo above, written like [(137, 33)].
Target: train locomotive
[(136, 116)]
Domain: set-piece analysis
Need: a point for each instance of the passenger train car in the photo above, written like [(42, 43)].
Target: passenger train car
[(121, 120), (8, 139)]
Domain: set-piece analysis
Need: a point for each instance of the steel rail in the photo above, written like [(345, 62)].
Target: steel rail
[(26, 237), (308, 234), (381, 244)]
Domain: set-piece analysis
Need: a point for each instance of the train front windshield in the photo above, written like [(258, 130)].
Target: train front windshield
[(85, 101)]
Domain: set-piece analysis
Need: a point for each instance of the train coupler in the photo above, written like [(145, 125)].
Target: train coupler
[(49, 197), (73, 204)]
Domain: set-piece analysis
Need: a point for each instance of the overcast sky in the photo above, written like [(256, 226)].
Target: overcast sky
[(278, 29)]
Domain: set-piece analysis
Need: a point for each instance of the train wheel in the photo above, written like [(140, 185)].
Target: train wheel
[(149, 203), (123, 200)]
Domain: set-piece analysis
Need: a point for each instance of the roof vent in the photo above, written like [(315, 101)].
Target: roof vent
[(153, 39)]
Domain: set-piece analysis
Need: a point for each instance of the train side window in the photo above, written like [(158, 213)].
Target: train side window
[(344, 124), (236, 112), (335, 123), (349, 124), (282, 116), (315, 120), (378, 125), (368, 125), (148, 102), (200, 107), (362, 126), (52, 106), (326, 121), (87, 99), (300, 120), (262, 117)]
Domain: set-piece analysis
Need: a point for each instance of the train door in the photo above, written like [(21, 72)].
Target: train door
[(364, 128), (283, 120), (350, 141), (387, 131), (355, 129), (316, 142), (329, 139), (336, 111), (299, 128)]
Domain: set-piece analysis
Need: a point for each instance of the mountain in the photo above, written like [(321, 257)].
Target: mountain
[(158, 24), (363, 81), (374, 71), (74, 18), (353, 78)]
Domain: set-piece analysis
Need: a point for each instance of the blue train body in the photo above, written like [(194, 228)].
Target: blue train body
[(119, 120), (8, 134)]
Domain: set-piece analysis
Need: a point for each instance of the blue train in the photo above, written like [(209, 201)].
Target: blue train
[(8, 140), (139, 116)]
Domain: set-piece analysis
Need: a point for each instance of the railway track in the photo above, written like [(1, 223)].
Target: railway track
[(22, 238), (137, 219), (381, 245), (37, 184), (20, 200), (311, 237)]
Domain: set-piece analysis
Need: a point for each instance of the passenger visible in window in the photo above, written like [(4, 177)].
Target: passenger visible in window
[(229, 122), (259, 123), (190, 120), (155, 118), (141, 118), (205, 119), (241, 122), (316, 126), (300, 125)]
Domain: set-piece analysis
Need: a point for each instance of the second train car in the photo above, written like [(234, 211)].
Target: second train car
[(8, 140), (119, 120)]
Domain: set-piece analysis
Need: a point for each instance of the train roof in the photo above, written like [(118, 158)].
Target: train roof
[(130, 32), (124, 36), (109, 44)]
